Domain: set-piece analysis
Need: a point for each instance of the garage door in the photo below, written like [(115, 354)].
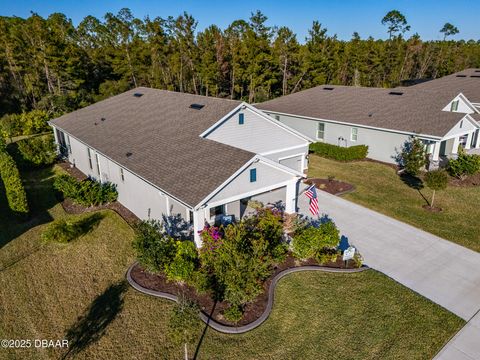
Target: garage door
[(294, 162)]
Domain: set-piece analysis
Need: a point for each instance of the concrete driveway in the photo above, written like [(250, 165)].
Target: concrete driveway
[(440, 270)]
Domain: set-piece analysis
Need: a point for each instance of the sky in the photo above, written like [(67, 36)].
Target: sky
[(341, 17)]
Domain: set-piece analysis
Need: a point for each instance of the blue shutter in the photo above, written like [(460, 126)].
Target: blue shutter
[(253, 175), (241, 119)]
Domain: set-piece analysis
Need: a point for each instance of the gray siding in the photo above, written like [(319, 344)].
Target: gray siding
[(257, 134), (137, 195), (382, 145)]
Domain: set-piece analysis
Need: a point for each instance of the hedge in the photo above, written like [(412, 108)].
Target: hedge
[(357, 152), (15, 192), (87, 192)]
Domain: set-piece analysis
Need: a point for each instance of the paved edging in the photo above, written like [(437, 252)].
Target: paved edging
[(271, 292)]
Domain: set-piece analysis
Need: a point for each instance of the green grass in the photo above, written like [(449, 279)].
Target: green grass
[(380, 188), (49, 290)]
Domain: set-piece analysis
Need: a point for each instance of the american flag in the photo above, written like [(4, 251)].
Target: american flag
[(311, 193)]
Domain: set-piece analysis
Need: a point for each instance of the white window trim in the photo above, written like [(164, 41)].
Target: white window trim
[(351, 134), (323, 131)]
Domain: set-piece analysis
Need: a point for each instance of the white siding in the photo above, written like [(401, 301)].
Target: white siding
[(267, 176), (135, 194), (256, 134)]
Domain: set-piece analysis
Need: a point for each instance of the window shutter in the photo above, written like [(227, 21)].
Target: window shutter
[(241, 119), (253, 175)]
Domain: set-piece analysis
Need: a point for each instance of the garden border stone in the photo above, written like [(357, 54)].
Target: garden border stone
[(271, 293)]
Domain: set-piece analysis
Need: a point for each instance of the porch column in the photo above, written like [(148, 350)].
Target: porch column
[(469, 141), (197, 226), (436, 151), (477, 141), (456, 142), (291, 197)]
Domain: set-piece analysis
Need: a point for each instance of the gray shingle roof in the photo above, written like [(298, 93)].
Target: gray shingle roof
[(466, 82), (416, 110), (162, 133)]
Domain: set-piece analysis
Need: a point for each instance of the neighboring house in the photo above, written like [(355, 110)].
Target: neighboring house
[(173, 153), (444, 113)]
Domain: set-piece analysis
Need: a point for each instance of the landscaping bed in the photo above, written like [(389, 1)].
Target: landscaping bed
[(473, 180), (214, 310), (334, 187)]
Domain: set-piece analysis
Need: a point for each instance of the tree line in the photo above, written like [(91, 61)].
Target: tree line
[(50, 64)]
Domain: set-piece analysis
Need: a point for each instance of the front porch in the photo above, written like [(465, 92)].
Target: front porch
[(225, 211), (447, 148)]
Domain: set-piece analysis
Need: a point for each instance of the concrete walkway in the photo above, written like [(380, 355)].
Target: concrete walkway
[(440, 270)]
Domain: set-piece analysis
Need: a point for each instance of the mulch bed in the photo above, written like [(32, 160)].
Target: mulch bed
[(334, 187), (473, 180), (432, 209), (214, 309)]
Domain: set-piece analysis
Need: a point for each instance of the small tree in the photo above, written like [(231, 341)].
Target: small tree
[(436, 180), (413, 156), (449, 30), (396, 22), (184, 324)]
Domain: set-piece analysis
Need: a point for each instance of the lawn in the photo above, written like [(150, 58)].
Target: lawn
[(77, 290), (379, 187)]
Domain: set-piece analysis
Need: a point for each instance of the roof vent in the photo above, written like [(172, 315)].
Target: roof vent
[(103, 119), (138, 95), (328, 88), (461, 75), (395, 93), (196, 106), (477, 71), (475, 76), (128, 154), (370, 114)]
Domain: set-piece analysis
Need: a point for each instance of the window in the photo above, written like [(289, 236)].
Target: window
[(321, 131), (98, 164), (216, 211), (454, 105), (121, 175), (90, 158), (190, 216), (241, 119), (253, 175), (69, 147), (354, 134)]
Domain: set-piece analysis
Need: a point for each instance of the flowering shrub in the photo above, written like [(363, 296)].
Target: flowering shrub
[(212, 239)]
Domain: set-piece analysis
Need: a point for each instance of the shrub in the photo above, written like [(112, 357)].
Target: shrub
[(27, 123), (155, 250), (233, 313), (240, 258), (184, 264), (357, 152), (464, 165), (15, 192), (65, 231), (413, 157), (37, 151), (436, 180), (87, 192), (316, 242)]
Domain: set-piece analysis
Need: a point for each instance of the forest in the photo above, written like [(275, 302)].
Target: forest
[(51, 65)]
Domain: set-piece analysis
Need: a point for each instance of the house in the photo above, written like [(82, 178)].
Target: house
[(176, 154), (444, 113)]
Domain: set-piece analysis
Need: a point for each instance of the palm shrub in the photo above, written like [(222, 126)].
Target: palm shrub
[(436, 180), (10, 176), (464, 165), (318, 242), (413, 156)]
